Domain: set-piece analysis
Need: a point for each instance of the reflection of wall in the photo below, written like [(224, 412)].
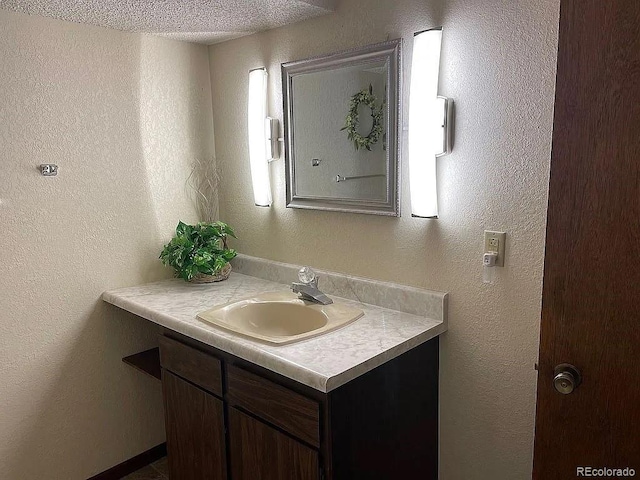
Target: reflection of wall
[(122, 115), (499, 65), (321, 104)]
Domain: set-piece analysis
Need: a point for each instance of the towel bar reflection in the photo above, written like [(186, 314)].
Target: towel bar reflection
[(342, 178)]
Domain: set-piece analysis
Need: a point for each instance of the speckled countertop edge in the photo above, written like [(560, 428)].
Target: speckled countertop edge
[(324, 362)]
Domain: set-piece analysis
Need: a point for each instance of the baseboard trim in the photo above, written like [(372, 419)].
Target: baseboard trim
[(136, 463)]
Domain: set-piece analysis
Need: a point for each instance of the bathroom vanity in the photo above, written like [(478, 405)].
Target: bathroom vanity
[(360, 402), (383, 424)]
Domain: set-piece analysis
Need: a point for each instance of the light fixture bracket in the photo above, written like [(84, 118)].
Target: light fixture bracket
[(447, 126), (272, 128)]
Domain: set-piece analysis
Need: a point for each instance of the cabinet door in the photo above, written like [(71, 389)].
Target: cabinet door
[(194, 423), (260, 452)]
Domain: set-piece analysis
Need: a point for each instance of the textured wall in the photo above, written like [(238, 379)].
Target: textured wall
[(499, 65), (122, 115)]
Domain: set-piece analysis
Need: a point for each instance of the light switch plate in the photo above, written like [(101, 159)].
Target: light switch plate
[(495, 242)]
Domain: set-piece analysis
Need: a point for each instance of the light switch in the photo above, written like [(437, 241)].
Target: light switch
[(494, 242)]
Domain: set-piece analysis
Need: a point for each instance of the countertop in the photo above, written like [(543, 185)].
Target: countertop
[(324, 362)]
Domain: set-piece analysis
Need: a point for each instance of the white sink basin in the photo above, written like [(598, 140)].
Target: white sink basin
[(279, 317)]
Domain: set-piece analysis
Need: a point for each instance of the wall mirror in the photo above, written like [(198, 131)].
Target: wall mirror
[(341, 122)]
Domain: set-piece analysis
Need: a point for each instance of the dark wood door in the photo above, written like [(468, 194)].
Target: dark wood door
[(591, 293), (194, 422), (260, 452)]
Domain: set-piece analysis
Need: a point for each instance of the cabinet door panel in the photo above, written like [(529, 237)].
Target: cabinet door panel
[(292, 412), (259, 452), (198, 367), (194, 422)]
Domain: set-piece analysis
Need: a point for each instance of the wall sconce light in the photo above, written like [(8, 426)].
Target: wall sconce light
[(430, 123), (261, 147)]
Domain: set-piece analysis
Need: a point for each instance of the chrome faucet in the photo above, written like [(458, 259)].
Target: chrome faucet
[(307, 288)]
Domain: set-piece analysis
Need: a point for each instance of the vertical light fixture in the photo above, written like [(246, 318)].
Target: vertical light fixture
[(429, 123), (257, 116)]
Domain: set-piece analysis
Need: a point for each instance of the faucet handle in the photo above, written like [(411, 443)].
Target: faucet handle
[(308, 276)]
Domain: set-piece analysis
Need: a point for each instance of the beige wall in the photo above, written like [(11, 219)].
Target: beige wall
[(123, 116), (499, 65)]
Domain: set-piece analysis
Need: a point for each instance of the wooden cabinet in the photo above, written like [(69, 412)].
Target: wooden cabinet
[(196, 366), (259, 451), (194, 421), (280, 406), (382, 425)]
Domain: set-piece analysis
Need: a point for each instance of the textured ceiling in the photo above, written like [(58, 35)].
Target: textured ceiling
[(201, 21)]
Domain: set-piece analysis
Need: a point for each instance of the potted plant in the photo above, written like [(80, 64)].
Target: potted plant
[(199, 253)]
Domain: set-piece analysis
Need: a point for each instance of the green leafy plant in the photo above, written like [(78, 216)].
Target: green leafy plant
[(352, 120), (200, 248)]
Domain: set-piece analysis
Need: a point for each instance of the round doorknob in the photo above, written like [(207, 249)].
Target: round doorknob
[(566, 378)]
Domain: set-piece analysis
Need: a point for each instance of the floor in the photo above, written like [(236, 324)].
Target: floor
[(158, 470)]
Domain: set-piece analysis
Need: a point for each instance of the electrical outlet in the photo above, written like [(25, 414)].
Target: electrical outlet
[(494, 242)]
